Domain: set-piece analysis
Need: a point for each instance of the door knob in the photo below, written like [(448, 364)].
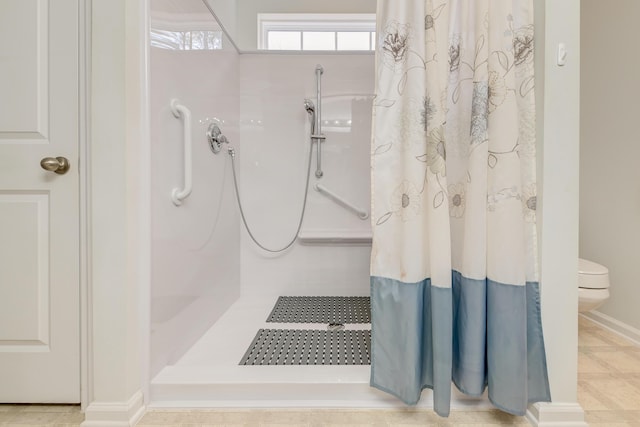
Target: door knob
[(59, 165)]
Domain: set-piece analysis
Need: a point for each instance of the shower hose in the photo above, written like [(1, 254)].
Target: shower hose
[(244, 220)]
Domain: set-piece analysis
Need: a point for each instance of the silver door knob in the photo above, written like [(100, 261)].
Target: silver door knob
[(59, 165)]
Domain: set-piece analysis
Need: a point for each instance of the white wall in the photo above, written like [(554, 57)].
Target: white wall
[(610, 149), (557, 91), (272, 155), (195, 256), (117, 220)]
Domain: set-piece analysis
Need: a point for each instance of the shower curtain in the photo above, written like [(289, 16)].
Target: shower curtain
[(454, 287)]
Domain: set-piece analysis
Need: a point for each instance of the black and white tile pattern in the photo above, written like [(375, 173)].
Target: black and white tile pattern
[(321, 310), (309, 347)]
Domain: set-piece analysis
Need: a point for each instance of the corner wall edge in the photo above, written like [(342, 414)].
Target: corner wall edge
[(556, 415), (115, 414)]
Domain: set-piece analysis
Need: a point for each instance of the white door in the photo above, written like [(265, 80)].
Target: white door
[(39, 214)]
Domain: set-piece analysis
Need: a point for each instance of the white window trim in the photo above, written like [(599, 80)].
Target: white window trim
[(313, 22)]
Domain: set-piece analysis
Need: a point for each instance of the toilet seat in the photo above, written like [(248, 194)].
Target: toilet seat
[(592, 275)]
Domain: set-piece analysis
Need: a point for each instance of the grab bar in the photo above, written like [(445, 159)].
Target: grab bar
[(318, 136), (178, 195), (362, 214)]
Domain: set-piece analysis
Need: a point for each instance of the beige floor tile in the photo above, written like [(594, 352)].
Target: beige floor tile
[(612, 417), (49, 408), (354, 417), (28, 418), (220, 417), (591, 338), (589, 364), (414, 425), (370, 424), (413, 417), (195, 417), (613, 338), (484, 424), (613, 424), (212, 425), (280, 418), (164, 418), (4, 417), (635, 382), (585, 324), (34, 425), (592, 377), (618, 391), (293, 423), (618, 361), (590, 401), (70, 417), (485, 417)]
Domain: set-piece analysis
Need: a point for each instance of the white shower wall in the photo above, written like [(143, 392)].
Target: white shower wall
[(273, 149), (202, 259), (195, 247)]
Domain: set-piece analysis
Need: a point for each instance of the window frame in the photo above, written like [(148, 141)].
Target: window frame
[(316, 22)]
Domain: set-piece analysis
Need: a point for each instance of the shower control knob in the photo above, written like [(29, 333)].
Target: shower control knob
[(59, 165), (216, 138)]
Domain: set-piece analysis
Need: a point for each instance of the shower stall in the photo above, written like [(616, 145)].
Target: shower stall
[(212, 287)]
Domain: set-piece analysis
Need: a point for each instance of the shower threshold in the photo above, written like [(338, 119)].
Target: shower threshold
[(209, 374)]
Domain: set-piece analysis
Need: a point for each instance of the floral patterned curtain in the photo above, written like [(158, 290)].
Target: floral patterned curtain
[(454, 275)]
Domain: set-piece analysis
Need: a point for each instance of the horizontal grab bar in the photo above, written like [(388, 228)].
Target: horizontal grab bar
[(362, 214), (178, 195)]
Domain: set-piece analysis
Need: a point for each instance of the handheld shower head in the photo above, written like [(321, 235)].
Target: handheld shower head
[(308, 105), (311, 110)]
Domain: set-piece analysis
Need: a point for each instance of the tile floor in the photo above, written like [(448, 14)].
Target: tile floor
[(608, 390), (608, 377)]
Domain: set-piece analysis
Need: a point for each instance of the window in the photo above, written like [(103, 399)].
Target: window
[(184, 32), (316, 31), (186, 40)]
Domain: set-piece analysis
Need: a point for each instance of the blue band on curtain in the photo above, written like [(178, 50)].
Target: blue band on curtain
[(479, 333), (411, 340), (507, 346), (469, 334), (495, 343), (516, 362), (537, 378)]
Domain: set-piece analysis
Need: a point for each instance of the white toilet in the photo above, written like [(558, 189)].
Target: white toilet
[(593, 281)]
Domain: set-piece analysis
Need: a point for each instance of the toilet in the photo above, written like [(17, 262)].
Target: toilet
[(593, 283)]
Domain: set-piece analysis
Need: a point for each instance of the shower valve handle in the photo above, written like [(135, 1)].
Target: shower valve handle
[(216, 138)]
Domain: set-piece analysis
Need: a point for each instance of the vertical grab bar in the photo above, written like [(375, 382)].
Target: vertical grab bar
[(318, 136), (178, 195)]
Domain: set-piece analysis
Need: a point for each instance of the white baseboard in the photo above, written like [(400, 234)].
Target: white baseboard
[(556, 415), (115, 414), (614, 325)]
